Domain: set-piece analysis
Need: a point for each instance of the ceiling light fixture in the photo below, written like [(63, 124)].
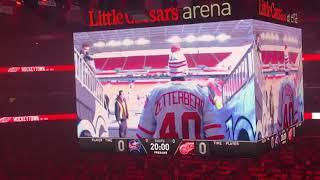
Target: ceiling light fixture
[(114, 43), (174, 39), (190, 39), (142, 41), (99, 44), (223, 37), (206, 38), (127, 42)]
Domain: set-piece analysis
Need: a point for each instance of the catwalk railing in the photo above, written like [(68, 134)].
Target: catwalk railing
[(239, 76), (86, 77)]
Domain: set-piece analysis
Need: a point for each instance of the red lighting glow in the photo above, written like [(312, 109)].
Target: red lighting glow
[(43, 117), (311, 57), (18, 3), (311, 115), (25, 69)]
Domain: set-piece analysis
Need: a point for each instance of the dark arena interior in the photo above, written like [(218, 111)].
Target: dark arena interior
[(40, 33)]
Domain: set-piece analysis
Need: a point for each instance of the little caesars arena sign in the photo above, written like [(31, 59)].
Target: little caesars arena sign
[(117, 17)]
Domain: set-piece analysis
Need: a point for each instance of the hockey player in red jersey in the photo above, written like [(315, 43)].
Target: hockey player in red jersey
[(180, 109)]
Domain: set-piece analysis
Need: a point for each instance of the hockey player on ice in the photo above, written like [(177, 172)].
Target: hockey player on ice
[(180, 109)]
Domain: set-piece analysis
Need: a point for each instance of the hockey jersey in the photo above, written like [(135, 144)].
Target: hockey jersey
[(180, 110)]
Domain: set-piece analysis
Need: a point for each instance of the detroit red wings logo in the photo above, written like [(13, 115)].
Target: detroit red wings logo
[(14, 69), (6, 119), (187, 148)]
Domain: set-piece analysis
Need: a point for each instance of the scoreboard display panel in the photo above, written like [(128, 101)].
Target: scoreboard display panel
[(205, 88), (164, 78)]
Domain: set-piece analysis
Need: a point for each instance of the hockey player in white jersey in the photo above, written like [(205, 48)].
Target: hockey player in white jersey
[(180, 109)]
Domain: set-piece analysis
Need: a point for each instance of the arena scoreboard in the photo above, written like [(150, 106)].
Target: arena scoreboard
[(180, 147)]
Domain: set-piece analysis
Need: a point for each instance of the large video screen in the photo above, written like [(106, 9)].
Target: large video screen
[(279, 89), (169, 82)]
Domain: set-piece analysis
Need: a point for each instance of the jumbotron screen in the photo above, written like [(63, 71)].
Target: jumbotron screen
[(188, 86)]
